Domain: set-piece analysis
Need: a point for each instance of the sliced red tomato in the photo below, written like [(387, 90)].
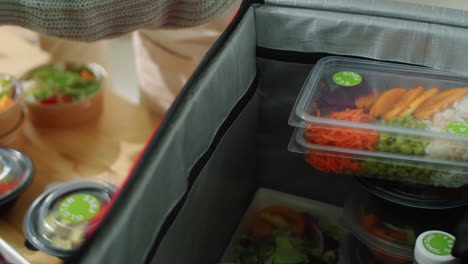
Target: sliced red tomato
[(56, 100)]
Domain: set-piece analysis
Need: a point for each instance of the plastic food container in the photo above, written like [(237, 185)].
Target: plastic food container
[(354, 251), (14, 138), (384, 120), (16, 173), (313, 227), (9, 256), (390, 230), (78, 99), (58, 220), (11, 105), (416, 195)]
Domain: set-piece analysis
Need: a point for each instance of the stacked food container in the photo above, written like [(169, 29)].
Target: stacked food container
[(401, 130)]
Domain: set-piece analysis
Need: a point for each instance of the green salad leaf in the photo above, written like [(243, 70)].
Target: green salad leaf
[(52, 81), (280, 247), (6, 88)]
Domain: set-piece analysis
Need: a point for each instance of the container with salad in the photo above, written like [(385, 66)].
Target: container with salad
[(16, 173), (284, 229), (384, 120), (11, 103), (64, 94), (390, 230), (58, 221)]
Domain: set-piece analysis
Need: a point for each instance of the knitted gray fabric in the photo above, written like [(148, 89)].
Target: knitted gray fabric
[(89, 20)]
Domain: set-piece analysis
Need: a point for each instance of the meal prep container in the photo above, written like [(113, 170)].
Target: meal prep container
[(16, 173), (58, 220), (416, 195), (10, 118), (9, 256), (326, 224), (68, 114), (384, 120), (390, 230)]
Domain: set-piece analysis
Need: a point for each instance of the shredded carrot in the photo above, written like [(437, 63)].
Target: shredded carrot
[(7, 187), (332, 164), (341, 137)]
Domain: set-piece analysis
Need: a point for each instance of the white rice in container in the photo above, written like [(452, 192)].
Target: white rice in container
[(447, 149)]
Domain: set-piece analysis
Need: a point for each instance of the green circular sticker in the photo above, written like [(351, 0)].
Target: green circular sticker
[(438, 244), (457, 128), (79, 207), (347, 78)]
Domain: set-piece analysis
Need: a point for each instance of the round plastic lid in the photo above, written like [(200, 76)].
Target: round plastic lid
[(417, 196), (434, 247), (16, 172), (59, 219)]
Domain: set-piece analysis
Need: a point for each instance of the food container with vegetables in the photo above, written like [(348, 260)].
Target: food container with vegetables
[(390, 230), (10, 256), (417, 195), (16, 173), (58, 220), (11, 103), (384, 120), (64, 94), (286, 229)]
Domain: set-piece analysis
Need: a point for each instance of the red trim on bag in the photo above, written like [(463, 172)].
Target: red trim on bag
[(102, 213)]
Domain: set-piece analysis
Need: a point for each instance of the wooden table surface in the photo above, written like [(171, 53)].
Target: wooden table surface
[(105, 148)]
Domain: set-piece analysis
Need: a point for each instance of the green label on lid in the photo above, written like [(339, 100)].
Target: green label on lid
[(438, 244), (347, 78), (457, 128), (79, 207)]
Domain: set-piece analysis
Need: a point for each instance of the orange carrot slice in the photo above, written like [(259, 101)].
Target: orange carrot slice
[(405, 101), (439, 102), (366, 102), (438, 106), (416, 103), (387, 100)]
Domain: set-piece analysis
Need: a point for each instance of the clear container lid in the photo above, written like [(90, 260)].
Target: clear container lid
[(417, 195), (16, 172), (408, 110), (57, 222)]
